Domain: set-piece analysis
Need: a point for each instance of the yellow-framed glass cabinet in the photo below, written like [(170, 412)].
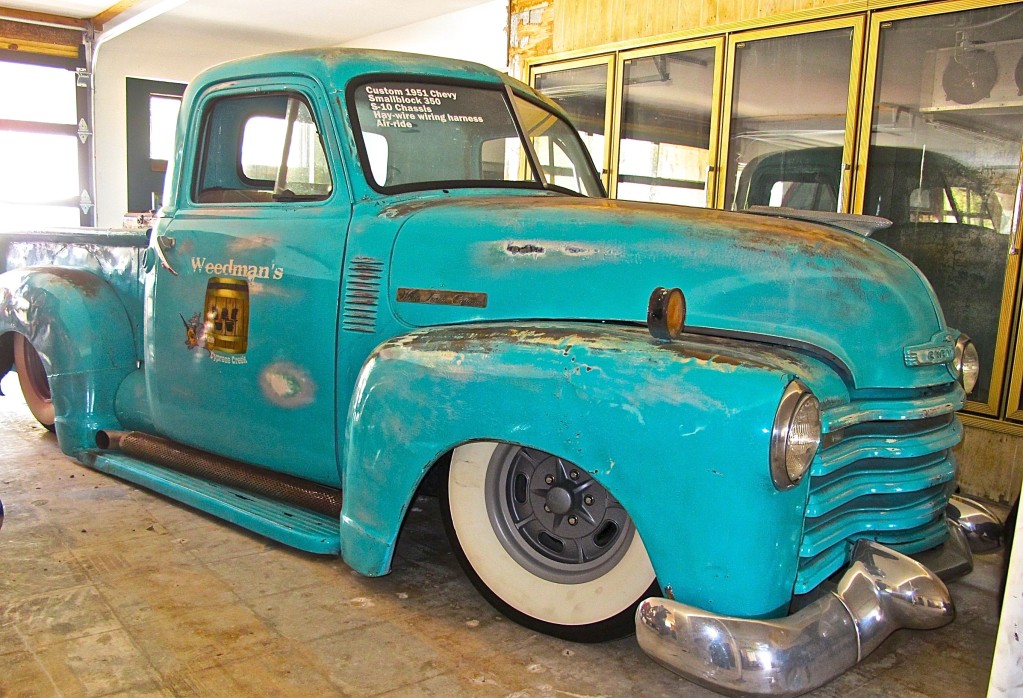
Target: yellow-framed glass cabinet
[(790, 116), (583, 89), (665, 139), (940, 152)]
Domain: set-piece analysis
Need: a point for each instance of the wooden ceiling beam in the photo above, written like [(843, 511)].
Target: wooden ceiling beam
[(43, 19), (112, 12)]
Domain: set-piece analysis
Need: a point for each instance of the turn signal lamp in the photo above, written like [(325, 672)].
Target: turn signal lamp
[(666, 313)]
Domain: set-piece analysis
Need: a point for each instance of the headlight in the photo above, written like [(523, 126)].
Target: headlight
[(966, 363), (796, 435)]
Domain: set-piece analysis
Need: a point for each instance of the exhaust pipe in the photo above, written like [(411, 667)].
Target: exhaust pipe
[(192, 461), (110, 440)]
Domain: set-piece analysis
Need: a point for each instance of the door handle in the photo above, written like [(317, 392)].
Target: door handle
[(163, 245)]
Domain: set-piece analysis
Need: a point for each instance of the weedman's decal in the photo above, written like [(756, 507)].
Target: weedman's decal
[(223, 327), (200, 265)]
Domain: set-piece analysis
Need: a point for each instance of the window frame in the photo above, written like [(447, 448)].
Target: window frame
[(197, 143), (142, 169)]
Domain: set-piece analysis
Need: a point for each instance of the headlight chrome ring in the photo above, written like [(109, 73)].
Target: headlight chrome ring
[(966, 363), (796, 435)]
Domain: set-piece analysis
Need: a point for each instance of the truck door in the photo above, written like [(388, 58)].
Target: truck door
[(241, 334)]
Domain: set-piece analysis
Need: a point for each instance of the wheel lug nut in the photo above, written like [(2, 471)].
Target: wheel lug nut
[(588, 500), (549, 479), (572, 521), (574, 474), (547, 508)]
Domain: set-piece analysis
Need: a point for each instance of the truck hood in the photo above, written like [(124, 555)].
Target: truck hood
[(491, 258)]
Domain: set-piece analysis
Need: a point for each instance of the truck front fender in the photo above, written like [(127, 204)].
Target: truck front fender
[(83, 334), (678, 432)]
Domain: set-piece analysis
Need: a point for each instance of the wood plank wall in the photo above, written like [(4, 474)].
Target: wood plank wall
[(542, 27)]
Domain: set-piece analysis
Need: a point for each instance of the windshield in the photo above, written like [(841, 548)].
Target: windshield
[(423, 135)]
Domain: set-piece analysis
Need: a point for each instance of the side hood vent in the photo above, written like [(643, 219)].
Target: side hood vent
[(362, 295)]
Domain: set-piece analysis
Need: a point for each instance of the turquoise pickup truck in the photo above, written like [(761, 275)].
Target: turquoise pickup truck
[(728, 433)]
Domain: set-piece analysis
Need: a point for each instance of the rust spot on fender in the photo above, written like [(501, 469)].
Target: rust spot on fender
[(85, 281), (526, 248)]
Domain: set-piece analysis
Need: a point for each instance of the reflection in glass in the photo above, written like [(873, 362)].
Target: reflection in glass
[(664, 153), (582, 93), (947, 128), (789, 94)]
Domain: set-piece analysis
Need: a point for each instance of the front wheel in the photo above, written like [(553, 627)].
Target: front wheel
[(545, 543), (35, 386)]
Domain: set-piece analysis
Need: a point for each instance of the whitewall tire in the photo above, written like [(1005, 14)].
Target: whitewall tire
[(35, 386), (545, 543)]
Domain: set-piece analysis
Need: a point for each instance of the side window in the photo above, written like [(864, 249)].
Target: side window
[(557, 148), (503, 159), (258, 149), (805, 195)]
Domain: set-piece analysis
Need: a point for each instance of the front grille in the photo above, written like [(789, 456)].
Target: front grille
[(884, 472)]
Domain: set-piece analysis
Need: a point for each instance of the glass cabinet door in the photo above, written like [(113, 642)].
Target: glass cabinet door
[(583, 89), (790, 114), (665, 149), (941, 152)]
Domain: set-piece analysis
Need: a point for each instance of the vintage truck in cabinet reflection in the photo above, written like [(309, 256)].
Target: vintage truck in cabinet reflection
[(730, 433)]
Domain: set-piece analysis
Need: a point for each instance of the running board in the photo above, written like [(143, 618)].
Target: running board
[(292, 525)]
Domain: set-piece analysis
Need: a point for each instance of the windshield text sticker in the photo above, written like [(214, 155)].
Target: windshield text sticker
[(404, 107)]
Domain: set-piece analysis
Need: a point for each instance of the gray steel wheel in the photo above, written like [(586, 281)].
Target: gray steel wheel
[(553, 517)]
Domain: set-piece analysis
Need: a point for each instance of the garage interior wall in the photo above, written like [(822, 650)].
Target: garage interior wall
[(180, 55)]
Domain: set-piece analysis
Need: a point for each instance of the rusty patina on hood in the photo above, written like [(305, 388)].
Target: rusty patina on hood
[(569, 258)]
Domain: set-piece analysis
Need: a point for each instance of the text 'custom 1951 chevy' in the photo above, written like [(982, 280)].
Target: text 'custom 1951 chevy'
[(728, 433)]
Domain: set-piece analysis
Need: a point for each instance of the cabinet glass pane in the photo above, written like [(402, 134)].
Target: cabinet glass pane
[(943, 163), (665, 148), (582, 93), (788, 117)]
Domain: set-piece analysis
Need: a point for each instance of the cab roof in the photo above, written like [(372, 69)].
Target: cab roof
[(335, 67)]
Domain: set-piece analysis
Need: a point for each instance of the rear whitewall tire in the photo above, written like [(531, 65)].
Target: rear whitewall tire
[(35, 386), (594, 609)]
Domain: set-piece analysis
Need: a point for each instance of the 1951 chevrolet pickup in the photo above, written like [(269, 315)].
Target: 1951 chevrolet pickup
[(728, 432)]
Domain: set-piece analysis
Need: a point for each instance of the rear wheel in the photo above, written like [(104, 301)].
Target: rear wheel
[(545, 543), (35, 386)]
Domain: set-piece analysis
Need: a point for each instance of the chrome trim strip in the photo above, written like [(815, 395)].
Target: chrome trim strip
[(982, 528)]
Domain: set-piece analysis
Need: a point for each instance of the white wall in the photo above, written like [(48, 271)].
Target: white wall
[(476, 34)]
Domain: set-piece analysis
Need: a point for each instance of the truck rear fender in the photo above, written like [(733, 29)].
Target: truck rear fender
[(83, 334), (677, 432)]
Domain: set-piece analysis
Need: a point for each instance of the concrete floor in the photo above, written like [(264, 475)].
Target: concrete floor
[(108, 590)]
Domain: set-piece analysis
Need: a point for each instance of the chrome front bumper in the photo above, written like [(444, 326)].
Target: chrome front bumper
[(881, 591)]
